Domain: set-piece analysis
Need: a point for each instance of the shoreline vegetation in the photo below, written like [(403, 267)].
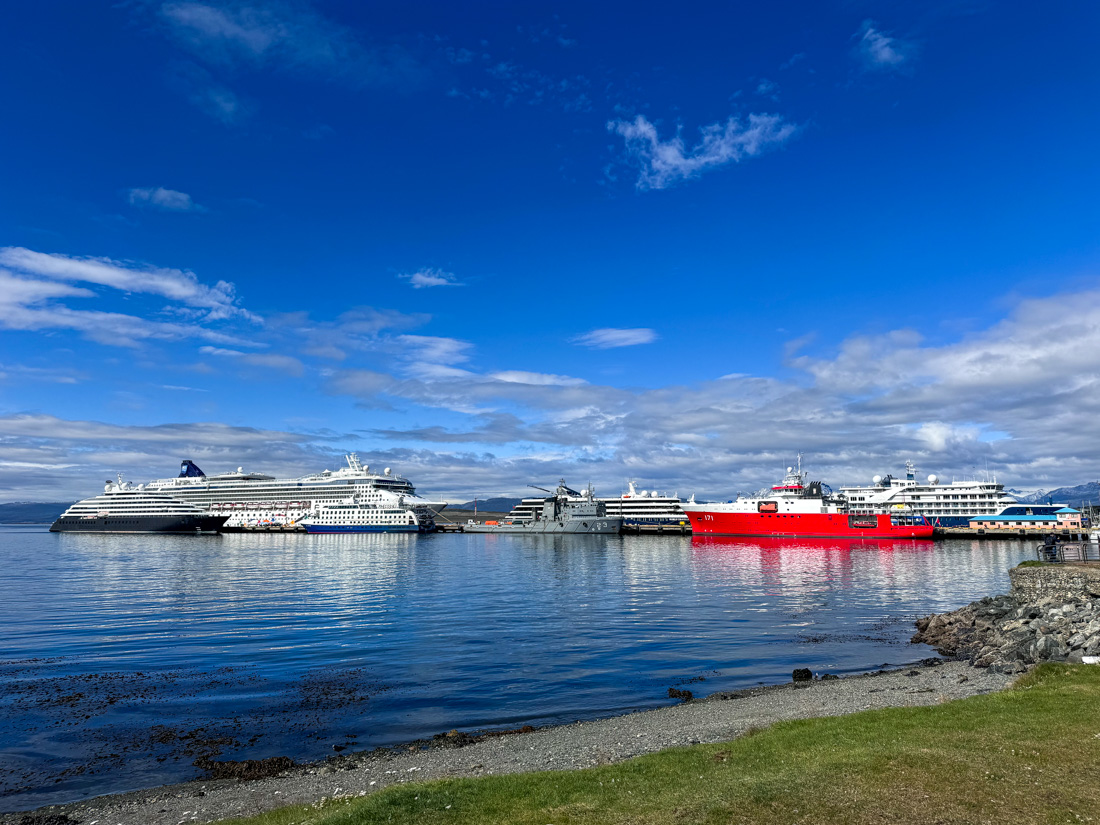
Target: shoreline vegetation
[(1027, 754)]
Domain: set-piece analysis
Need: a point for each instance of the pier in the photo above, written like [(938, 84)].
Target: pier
[(681, 529), (1021, 533), (453, 521)]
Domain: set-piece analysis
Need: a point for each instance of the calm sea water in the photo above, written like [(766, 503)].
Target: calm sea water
[(126, 658)]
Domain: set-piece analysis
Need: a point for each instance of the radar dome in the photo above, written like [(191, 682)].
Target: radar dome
[(790, 469), (876, 479), (386, 471), (644, 493), (932, 479)]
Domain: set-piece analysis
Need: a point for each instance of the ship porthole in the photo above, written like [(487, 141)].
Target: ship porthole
[(584, 524)]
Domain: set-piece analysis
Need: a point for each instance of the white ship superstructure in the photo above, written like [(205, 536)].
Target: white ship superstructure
[(944, 504), (382, 513), (126, 508), (646, 508), (637, 508), (256, 499)]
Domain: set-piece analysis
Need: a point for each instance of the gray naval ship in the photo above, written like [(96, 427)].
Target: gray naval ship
[(559, 514)]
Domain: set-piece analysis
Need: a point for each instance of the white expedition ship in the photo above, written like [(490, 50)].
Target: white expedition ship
[(943, 504), (256, 499), (384, 513)]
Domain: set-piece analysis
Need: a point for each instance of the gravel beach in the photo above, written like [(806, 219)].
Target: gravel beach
[(717, 718)]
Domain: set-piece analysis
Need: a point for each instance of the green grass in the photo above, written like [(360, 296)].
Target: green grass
[(1027, 755), (1031, 563)]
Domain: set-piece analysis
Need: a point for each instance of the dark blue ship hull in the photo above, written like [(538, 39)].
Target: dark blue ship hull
[(139, 524)]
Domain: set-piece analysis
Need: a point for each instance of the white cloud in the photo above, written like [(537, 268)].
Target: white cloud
[(167, 199), (286, 35), (430, 371), (246, 29), (30, 299), (1021, 398), (76, 455), (665, 162), (610, 338), (430, 277), (18, 292), (219, 300), (52, 375), (359, 330), (794, 58), (283, 363), (208, 94), (877, 50), (537, 378), (436, 350), (110, 328), (768, 88)]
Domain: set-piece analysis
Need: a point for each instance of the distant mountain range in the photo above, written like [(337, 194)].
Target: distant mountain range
[(1080, 496), (32, 512), (490, 505)]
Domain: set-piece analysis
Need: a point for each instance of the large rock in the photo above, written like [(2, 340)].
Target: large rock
[(1008, 633), (1046, 648)]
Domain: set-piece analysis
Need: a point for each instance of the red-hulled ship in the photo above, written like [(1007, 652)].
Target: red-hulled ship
[(793, 508)]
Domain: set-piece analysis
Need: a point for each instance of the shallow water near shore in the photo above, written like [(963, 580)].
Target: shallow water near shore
[(127, 658)]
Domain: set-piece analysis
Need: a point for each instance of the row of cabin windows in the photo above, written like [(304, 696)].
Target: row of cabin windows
[(331, 517), (110, 520)]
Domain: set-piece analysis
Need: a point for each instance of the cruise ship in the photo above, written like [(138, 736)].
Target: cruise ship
[(638, 509), (124, 508), (943, 504), (383, 513), (251, 499)]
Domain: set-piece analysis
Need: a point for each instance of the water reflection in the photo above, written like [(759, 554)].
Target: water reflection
[(306, 640)]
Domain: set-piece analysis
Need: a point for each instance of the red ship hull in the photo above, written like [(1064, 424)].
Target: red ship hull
[(818, 525)]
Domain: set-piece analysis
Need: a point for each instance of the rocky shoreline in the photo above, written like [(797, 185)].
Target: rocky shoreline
[(1051, 615), (717, 718)]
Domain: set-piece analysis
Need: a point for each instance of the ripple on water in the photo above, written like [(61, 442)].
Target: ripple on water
[(129, 658)]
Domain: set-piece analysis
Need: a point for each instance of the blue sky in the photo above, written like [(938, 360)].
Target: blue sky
[(495, 244)]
